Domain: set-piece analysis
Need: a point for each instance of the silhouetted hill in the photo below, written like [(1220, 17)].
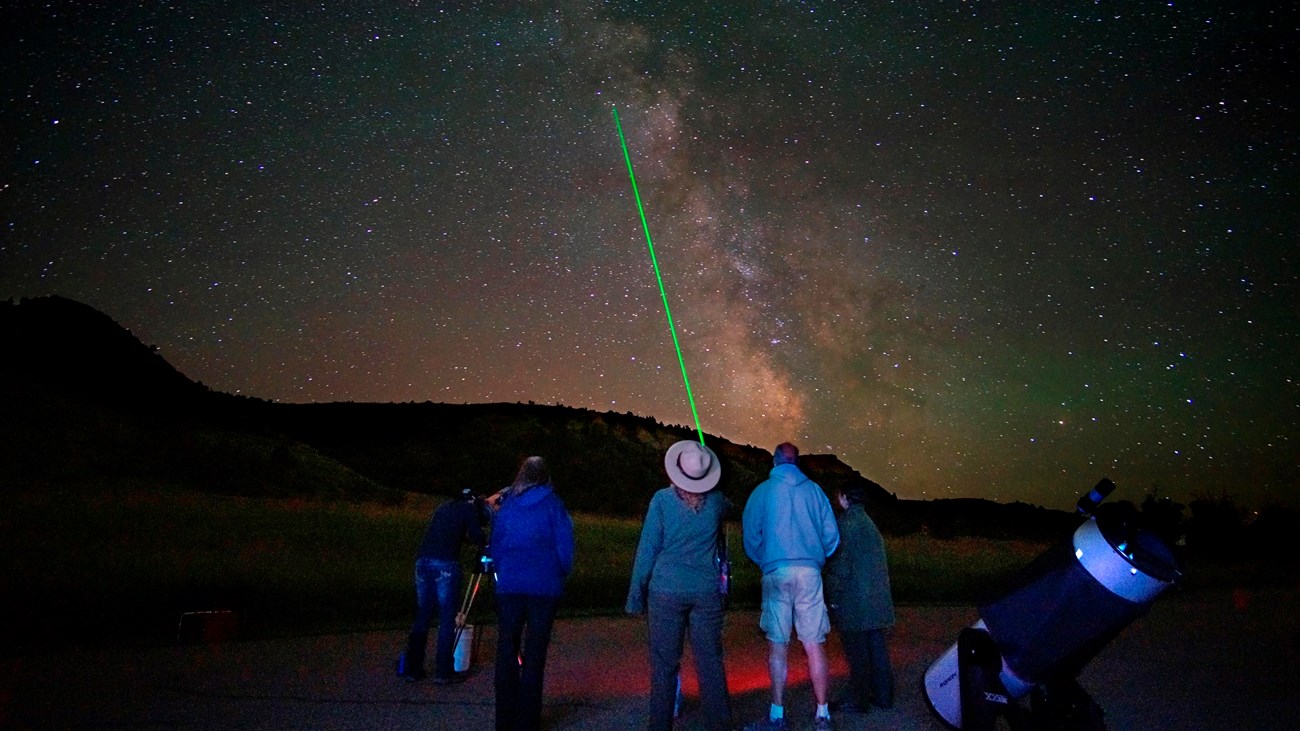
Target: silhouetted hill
[(78, 349), (86, 401), (92, 402)]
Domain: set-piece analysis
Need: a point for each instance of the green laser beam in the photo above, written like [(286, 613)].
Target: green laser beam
[(658, 277)]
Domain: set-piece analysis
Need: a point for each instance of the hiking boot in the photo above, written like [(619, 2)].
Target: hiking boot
[(821, 723)]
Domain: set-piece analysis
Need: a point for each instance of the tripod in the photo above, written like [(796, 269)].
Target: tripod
[(484, 568)]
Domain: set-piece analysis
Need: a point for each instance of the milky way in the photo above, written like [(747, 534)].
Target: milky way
[(974, 249)]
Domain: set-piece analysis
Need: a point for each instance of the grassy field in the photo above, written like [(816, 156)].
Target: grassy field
[(122, 563)]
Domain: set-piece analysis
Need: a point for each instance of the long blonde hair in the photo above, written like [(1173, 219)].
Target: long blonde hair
[(531, 473)]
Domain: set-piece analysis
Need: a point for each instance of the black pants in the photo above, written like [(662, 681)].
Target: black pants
[(524, 624), (871, 678), (672, 616)]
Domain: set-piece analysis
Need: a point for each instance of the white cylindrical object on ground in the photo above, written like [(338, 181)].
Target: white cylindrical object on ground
[(463, 656)]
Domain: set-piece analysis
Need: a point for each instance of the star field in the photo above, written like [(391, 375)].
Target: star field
[(974, 249)]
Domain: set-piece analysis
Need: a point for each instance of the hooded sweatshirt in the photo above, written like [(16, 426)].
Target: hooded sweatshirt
[(788, 522), (532, 543)]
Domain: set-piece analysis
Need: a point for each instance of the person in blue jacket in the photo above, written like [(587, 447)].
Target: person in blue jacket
[(532, 554), (675, 578)]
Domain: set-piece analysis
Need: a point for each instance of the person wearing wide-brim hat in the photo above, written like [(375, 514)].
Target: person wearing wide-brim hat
[(675, 580)]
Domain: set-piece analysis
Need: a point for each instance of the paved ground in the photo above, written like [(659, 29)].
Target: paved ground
[(1224, 661)]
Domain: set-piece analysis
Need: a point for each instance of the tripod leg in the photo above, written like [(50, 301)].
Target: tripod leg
[(462, 618)]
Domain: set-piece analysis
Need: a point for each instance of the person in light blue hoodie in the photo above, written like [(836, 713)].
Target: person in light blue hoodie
[(789, 531), (532, 554)]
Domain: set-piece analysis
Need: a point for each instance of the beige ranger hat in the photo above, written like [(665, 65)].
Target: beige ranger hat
[(692, 466)]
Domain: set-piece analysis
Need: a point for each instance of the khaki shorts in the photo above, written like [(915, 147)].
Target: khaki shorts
[(793, 595)]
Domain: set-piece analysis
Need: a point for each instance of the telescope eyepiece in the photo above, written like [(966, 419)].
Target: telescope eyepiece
[(1088, 503)]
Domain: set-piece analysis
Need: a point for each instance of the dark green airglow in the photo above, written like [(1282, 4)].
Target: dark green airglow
[(658, 277)]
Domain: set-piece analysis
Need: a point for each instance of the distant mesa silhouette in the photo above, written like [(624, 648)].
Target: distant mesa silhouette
[(66, 344), (604, 462)]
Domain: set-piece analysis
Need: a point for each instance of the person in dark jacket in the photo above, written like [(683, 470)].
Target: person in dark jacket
[(437, 585), (676, 578), (861, 606), (532, 553)]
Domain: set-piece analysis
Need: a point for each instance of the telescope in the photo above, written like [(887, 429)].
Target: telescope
[(1064, 608)]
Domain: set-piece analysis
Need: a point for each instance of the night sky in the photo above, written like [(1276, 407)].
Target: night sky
[(974, 249)]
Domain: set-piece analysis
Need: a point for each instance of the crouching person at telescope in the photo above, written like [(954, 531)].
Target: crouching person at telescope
[(437, 585)]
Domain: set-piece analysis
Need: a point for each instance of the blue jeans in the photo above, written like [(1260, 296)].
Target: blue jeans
[(437, 584), (671, 617), (524, 623)]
